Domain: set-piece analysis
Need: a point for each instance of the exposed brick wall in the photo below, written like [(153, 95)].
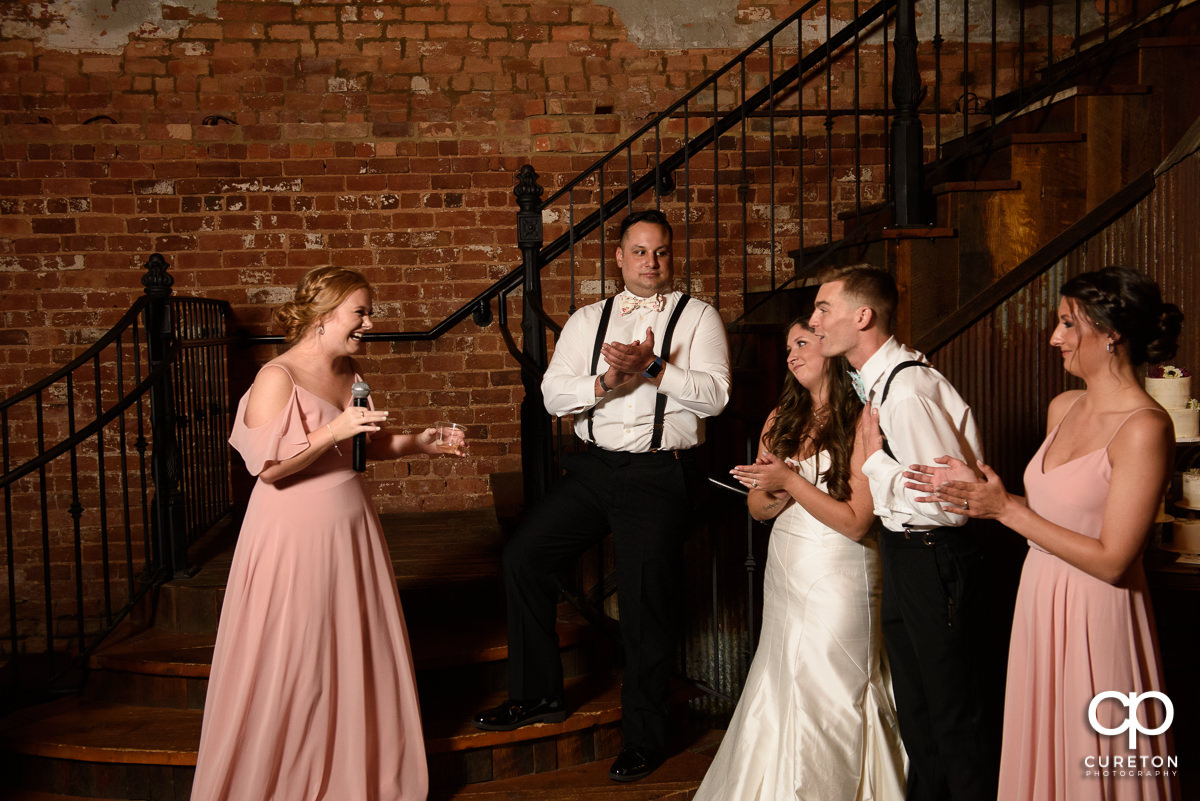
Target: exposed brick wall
[(382, 137), (250, 141)]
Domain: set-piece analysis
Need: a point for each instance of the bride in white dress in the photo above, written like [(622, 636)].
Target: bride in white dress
[(816, 720)]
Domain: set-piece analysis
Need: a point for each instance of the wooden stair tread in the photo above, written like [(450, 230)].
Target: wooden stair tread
[(157, 652), (1001, 185), (433, 549), (92, 731), (918, 232), (677, 778), (1044, 138), (590, 701), (96, 731), (434, 644), (427, 549)]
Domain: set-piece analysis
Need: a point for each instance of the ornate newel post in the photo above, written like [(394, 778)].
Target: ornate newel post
[(536, 441), (907, 137), (167, 511)]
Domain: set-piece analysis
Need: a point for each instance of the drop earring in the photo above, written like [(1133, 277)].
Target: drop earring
[(1109, 346), (321, 332)]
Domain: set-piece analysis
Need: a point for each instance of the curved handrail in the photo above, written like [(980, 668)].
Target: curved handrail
[(133, 396)]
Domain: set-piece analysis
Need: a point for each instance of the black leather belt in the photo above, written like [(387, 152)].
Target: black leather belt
[(645, 456), (928, 537)]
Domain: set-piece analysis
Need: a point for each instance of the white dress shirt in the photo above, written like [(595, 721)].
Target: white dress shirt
[(695, 378), (923, 417)]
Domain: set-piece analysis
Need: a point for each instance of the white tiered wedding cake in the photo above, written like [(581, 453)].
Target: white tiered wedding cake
[(1172, 387)]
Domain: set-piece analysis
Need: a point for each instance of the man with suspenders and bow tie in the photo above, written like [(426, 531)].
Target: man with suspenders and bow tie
[(640, 371)]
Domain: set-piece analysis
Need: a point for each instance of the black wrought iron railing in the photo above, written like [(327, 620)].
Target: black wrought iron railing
[(111, 468)]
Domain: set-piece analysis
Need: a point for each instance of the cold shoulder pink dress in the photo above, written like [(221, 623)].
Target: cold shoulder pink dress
[(1073, 637), (311, 694)]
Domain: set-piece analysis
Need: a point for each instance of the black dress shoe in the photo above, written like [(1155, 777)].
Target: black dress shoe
[(634, 764), (513, 715)]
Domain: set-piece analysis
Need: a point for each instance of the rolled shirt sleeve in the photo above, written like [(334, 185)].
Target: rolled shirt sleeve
[(703, 386), (569, 386), (918, 431)]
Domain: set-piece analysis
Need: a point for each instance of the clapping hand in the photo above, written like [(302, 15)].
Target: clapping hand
[(627, 360), (768, 473), (957, 487)]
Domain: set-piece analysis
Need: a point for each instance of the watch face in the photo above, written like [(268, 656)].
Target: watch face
[(655, 368)]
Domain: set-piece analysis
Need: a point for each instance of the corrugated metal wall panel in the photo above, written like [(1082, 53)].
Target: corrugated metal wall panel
[(1004, 365)]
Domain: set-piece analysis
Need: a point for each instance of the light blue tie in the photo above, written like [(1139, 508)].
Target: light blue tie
[(859, 389)]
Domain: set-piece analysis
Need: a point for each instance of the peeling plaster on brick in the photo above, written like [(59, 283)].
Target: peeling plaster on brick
[(342, 85), (98, 26), (263, 186), (684, 24), (592, 287), (271, 296)]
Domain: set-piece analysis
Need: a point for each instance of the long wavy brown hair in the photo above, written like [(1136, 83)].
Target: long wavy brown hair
[(795, 424)]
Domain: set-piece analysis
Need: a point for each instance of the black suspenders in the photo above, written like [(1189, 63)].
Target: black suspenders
[(660, 404), (600, 332), (888, 385)]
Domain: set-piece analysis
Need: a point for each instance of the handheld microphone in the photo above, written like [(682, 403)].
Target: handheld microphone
[(359, 392)]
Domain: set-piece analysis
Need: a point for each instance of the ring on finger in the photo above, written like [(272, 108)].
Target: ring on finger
[(966, 505)]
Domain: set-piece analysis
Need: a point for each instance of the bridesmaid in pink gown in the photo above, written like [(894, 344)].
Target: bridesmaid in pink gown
[(1083, 625), (311, 694)]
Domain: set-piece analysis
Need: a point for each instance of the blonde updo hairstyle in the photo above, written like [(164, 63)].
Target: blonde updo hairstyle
[(319, 292)]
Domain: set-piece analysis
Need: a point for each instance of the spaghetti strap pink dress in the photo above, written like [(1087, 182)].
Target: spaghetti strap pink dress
[(311, 694), (1073, 637)]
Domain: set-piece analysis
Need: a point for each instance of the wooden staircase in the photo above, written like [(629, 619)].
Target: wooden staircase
[(135, 730), (1042, 170)]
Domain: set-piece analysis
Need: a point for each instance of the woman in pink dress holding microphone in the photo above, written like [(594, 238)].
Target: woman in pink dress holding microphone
[(311, 694)]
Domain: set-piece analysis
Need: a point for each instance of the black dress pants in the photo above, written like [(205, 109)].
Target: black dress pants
[(646, 502), (935, 627)]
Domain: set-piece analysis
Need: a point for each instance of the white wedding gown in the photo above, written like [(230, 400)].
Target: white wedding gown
[(816, 720)]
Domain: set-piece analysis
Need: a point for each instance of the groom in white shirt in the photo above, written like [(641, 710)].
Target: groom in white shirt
[(640, 372), (934, 609)]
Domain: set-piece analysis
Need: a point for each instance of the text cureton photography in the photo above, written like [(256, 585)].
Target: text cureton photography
[(1130, 764)]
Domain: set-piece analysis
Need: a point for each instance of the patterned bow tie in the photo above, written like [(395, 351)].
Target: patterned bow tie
[(859, 389), (631, 302)]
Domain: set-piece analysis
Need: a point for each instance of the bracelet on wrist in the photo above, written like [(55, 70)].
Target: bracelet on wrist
[(333, 440), (607, 389)]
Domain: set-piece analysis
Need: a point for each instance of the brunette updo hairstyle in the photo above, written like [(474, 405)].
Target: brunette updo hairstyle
[(320, 291), (1128, 304)]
